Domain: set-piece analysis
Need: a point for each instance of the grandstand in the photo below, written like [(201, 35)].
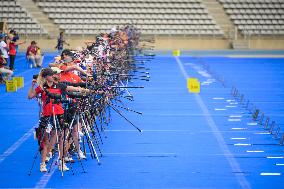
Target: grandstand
[(19, 18), (185, 24), (152, 17), (256, 17)]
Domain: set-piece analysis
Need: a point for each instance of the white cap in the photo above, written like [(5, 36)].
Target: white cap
[(113, 29), (56, 69)]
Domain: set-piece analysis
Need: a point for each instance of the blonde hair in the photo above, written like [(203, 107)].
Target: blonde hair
[(40, 80)]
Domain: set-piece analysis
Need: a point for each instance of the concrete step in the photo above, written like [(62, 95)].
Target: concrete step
[(37, 14), (222, 20), (216, 10), (47, 24), (33, 8), (41, 17)]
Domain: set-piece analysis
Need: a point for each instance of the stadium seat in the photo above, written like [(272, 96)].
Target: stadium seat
[(261, 15), (171, 15)]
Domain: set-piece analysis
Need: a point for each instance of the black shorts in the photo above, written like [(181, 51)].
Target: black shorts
[(69, 114), (45, 120)]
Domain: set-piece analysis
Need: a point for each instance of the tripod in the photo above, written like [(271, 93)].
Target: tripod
[(78, 116), (59, 142), (58, 130), (43, 131)]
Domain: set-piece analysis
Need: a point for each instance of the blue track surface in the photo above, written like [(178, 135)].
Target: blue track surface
[(188, 140)]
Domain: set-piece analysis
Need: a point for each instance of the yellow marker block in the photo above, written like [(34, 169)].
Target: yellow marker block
[(19, 81), (11, 86), (176, 52), (193, 85)]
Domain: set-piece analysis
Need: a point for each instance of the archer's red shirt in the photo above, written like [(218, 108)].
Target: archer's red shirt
[(47, 102)]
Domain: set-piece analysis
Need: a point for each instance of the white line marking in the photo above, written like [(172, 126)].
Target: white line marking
[(279, 164), (233, 103), (204, 74), (238, 138), (235, 116), (255, 151), (211, 79), (240, 112), (270, 174), (185, 75), (234, 120), (238, 128), (16, 145), (230, 100), (205, 83), (218, 98), (252, 124), (45, 178), (231, 106), (211, 123), (262, 133), (274, 157), (220, 109), (242, 144)]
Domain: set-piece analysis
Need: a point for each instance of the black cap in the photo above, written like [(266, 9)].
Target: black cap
[(47, 72), (67, 52), (13, 31)]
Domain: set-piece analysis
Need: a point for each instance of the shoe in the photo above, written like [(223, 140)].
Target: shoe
[(69, 159), (43, 167), (81, 155), (65, 168), (80, 133), (48, 157), (31, 66)]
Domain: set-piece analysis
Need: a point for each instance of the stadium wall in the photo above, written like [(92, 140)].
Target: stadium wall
[(169, 43)]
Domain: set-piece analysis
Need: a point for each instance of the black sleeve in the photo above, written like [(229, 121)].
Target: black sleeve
[(74, 84), (61, 86), (79, 85)]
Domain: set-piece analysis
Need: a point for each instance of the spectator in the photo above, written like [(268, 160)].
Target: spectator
[(4, 70), (60, 42), (4, 26), (16, 37), (33, 54), (4, 47), (13, 47)]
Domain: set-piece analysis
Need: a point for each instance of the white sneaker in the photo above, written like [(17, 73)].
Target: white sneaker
[(69, 159), (48, 157), (80, 133), (65, 168), (43, 167), (81, 155)]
